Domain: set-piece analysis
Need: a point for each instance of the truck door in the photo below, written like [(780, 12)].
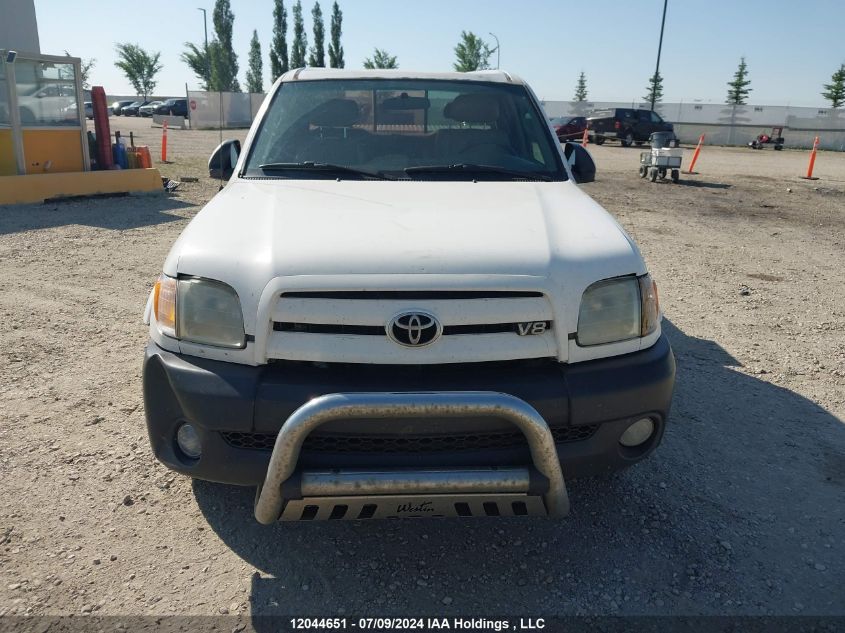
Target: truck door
[(643, 127)]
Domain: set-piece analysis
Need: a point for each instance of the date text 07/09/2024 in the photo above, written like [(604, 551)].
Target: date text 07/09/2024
[(417, 624)]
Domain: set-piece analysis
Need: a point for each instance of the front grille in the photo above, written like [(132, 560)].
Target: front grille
[(406, 444), (469, 326), (375, 295), (379, 330)]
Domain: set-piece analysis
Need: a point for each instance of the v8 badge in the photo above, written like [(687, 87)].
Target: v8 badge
[(530, 328)]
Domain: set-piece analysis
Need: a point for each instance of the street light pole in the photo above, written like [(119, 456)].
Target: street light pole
[(497, 50), (204, 24), (659, 48), (205, 28)]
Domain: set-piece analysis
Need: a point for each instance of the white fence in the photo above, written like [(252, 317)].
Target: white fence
[(722, 124), (732, 125), (237, 111)]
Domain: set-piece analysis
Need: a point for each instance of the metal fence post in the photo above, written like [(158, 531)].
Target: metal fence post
[(15, 118)]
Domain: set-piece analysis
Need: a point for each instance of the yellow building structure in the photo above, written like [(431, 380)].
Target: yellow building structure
[(44, 148)]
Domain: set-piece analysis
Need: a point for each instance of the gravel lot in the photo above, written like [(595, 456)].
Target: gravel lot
[(741, 511)]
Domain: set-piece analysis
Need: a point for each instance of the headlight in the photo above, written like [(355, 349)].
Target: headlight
[(616, 310), (651, 305), (164, 305), (200, 311)]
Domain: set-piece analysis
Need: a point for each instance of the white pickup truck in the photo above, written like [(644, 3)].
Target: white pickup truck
[(402, 305)]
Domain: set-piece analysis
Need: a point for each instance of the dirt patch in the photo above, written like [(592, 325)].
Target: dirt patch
[(765, 277)]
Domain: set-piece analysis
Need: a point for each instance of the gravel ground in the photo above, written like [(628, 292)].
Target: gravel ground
[(741, 511)]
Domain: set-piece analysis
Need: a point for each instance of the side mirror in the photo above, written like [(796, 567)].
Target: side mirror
[(580, 163), (223, 159)]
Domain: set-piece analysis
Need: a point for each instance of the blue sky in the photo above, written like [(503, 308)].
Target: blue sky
[(791, 48)]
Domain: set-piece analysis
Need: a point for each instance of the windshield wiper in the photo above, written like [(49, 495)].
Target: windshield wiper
[(472, 168), (310, 165)]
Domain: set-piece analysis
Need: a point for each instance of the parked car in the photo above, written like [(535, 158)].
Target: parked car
[(48, 104), (132, 109), (626, 125), (117, 106), (569, 128), (147, 110), (173, 107), (70, 111), (362, 349)]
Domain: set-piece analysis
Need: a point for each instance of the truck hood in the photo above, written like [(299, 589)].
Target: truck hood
[(369, 227), (256, 230)]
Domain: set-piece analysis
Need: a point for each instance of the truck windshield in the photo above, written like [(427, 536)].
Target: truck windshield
[(407, 129)]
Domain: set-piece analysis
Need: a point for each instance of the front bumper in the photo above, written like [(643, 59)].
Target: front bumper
[(586, 405)]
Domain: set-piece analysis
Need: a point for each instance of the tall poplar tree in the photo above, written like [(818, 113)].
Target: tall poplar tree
[(279, 63), (255, 67), (224, 60), (317, 57), (300, 39), (335, 49)]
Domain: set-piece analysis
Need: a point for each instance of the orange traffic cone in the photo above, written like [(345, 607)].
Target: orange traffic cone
[(695, 155), (809, 175), (164, 142)]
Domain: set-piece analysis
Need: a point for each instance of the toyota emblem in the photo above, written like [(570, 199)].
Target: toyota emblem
[(414, 329)]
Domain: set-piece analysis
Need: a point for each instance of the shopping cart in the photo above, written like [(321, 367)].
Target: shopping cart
[(665, 157)]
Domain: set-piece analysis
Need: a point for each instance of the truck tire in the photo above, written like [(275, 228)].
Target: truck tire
[(628, 140), (599, 140)]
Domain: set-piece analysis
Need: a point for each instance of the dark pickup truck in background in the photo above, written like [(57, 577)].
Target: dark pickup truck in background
[(627, 125), (173, 107)]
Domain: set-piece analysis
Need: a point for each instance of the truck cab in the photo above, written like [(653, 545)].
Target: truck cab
[(627, 125)]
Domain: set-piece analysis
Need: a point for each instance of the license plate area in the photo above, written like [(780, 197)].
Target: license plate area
[(412, 507)]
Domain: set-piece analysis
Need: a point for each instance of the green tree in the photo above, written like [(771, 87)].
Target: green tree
[(317, 57), (581, 88), (300, 40), (654, 89), (380, 59), (198, 60), (255, 67), (85, 68), (224, 60), (835, 90), (472, 53), (279, 50), (738, 89), (335, 49), (139, 66)]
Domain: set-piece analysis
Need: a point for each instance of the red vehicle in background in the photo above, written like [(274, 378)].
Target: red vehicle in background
[(569, 128), (775, 139)]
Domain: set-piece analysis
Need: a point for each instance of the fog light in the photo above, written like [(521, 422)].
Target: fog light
[(637, 433), (189, 441)]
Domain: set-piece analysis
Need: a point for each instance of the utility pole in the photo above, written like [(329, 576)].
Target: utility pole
[(659, 48), (497, 50), (205, 28)]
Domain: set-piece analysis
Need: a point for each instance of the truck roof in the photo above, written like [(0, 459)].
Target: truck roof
[(313, 74)]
